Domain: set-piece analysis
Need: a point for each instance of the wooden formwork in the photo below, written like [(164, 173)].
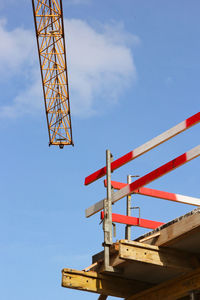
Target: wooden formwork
[(163, 264)]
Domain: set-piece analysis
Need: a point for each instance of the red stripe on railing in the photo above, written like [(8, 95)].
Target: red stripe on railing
[(134, 221), (191, 121)]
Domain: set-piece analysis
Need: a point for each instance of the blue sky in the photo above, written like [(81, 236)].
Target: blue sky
[(133, 73)]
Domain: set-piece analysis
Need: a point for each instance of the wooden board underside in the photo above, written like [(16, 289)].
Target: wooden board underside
[(182, 234), (138, 269), (146, 262), (173, 289)]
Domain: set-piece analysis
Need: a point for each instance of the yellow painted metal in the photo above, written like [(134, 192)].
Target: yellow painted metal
[(49, 27)]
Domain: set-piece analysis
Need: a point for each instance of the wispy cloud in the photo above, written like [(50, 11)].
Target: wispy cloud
[(78, 2), (16, 49), (28, 102), (18, 60), (169, 81), (100, 64)]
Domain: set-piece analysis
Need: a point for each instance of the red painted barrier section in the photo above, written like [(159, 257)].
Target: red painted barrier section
[(145, 191), (191, 121), (134, 221)]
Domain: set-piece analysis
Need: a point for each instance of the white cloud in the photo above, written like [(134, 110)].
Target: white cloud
[(78, 2), (28, 102), (16, 49), (100, 64), (18, 60), (169, 81)]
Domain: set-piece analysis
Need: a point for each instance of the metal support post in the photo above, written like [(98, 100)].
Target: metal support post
[(128, 209), (107, 223), (128, 212), (193, 296)]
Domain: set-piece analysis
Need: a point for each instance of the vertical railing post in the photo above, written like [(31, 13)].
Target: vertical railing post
[(107, 223), (128, 212), (192, 295)]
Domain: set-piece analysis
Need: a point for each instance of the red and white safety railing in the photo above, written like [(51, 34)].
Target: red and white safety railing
[(146, 179), (158, 194), (133, 221), (165, 136), (138, 185)]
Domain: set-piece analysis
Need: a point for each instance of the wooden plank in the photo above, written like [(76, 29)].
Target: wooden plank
[(193, 120), (146, 238), (180, 228), (90, 267), (172, 289), (155, 174), (158, 194), (157, 256), (133, 221), (105, 284)]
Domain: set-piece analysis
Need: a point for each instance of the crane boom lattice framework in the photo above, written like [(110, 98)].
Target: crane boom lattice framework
[(49, 27)]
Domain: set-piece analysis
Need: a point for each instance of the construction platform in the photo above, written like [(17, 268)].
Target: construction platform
[(162, 264)]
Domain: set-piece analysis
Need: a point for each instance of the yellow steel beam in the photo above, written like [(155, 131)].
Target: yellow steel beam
[(49, 28), (105, 284), (172, 289)]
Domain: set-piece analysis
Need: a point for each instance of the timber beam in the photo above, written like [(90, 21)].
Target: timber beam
[(172, 289), (126, 250), (154, 255), (104, 284)]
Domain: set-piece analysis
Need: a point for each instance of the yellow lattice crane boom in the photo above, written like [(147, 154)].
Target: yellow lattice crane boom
[(49, 27)]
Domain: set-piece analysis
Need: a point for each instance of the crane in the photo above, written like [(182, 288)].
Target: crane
[(49, 29)]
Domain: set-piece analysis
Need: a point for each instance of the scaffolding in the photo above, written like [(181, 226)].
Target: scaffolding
[(163, 264)]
